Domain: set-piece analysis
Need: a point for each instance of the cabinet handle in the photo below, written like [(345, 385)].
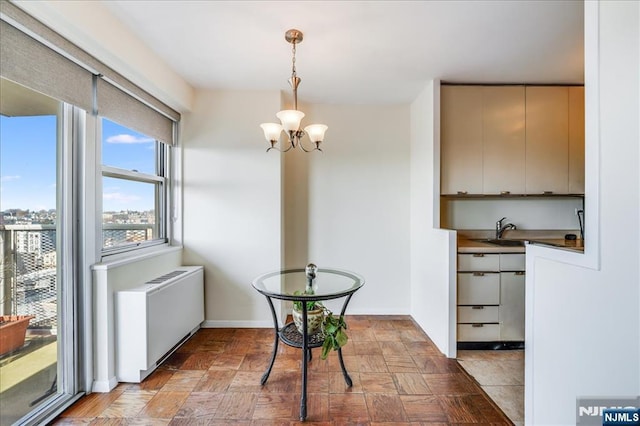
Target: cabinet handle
[(505, 192), (520, 273), (477, 307), (478, 274), (547, 192), (462, 192), (478, 254), (477, 325)]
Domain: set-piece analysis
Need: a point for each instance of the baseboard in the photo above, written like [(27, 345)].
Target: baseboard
[(104, 386), (236, 324), (494, 346)]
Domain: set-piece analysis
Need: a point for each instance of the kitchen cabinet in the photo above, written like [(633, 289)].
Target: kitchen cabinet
[(547, 133), (511, 312), (498, 140), (503, 119), (461, 134), (576, 140), (490, 297)]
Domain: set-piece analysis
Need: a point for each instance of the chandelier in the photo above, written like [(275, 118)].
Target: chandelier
[(290, 118)]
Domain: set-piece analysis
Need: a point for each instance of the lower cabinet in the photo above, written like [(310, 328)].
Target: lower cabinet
[(512, 306), (490, 297)]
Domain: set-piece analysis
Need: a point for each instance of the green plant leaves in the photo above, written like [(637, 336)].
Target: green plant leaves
[(334, 335)]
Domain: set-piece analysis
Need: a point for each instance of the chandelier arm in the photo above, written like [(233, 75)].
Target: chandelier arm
[(292, 144), (301, 145)]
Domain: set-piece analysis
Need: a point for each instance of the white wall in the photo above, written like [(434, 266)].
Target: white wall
[(433, 260), (583, 324), (232, 202), (348, 207)]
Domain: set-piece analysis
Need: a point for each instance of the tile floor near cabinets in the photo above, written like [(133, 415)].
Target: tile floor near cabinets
[(501, 375), (399, 378)]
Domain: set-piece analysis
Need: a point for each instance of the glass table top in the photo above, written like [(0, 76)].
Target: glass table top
[(328, 284)]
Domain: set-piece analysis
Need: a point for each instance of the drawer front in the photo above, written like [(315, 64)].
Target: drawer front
[(478, 332), (478, 314), (478, 262), (479, 289), (512, 262)]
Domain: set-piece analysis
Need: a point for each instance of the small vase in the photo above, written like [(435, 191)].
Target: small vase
[(314, 320)]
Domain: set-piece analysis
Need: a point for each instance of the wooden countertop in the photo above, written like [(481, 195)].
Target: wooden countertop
[(471, 244)]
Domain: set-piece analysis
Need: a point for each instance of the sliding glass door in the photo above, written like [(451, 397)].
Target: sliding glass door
[(37, 361)]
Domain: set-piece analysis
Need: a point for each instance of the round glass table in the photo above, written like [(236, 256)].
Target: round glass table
[(303, 285)]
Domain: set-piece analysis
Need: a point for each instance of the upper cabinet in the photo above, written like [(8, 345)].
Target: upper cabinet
[(547, 165), (576, 140), (461, 127), (503, 119), (499, 140)]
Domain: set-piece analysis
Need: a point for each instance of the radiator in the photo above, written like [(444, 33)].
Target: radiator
[(153, 319)]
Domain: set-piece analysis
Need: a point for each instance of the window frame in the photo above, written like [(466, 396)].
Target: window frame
[(162, 182)]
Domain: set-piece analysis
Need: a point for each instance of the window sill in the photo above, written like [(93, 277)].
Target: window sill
[(117, 260)]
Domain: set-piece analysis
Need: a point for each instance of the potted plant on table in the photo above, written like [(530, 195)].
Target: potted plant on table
[(321, 320)]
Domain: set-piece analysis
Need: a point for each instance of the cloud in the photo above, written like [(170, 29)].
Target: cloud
[(128, 139), (119, 197), (10, 178)]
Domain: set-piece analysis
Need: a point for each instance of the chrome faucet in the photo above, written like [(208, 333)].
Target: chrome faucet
[(500, 228)]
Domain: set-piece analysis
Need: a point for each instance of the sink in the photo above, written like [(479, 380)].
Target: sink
[(504, 243)]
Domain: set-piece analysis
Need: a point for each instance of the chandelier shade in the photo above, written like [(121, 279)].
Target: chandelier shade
[(271, 131), (290, 119), (316, 132)]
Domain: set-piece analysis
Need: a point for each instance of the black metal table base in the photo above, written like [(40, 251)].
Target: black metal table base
[(290, 335)]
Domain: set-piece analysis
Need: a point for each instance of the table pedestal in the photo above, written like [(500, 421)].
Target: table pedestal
[(290, 335)]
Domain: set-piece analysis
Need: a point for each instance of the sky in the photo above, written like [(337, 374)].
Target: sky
[(28, 165)]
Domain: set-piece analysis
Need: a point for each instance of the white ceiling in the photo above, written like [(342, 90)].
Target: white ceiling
[(358, 52)]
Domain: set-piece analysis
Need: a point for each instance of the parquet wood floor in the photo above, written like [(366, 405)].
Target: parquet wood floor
[(399, 378)]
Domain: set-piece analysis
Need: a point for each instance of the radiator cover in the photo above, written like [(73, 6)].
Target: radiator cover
[(154, 318)]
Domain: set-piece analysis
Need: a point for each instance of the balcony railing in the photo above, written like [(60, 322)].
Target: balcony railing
[(28, 267)]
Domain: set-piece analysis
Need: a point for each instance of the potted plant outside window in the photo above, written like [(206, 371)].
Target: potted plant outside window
[(13, 329)]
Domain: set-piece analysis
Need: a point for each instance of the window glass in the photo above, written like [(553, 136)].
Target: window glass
[(128, 212), (31, 253), (133, 188), (127, 149)]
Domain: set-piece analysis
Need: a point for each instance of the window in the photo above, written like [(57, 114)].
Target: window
[(134, 188)]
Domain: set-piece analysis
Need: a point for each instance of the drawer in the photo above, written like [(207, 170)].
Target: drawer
[(512, 262), (479, 288), (478, 332), (476, 314), (478, 262)]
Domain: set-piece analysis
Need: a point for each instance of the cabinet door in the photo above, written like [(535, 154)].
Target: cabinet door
[(478, 332), (512, 262), (503, 118), (470, 262), (478, 288), (576, 140), (478, 314), (547, 144), (512, 306), (461, 139)]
